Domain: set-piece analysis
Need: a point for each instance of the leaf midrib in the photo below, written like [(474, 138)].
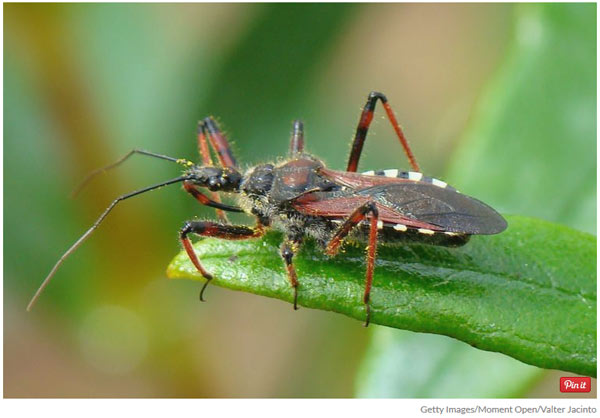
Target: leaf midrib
[(498, 277)]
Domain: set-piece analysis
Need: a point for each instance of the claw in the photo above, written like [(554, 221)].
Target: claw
[(368, 308), (295, 298), (201, 296)]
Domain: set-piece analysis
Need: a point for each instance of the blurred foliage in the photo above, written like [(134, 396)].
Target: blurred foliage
[(530, 149), (444, 368), (508, 293)]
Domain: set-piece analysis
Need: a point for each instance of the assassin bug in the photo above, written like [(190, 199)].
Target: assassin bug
[(301, 197)]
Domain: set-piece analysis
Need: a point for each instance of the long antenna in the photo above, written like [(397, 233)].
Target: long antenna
[(101, 170), (92, 228)]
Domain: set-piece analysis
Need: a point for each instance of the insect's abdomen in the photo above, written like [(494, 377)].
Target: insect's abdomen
[(391, 234), (409, 175)]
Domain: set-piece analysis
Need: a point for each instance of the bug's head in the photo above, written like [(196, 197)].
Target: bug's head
[(224, 179)]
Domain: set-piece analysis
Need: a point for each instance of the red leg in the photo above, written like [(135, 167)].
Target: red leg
[(288, 249), (207, 161), (212, 229), (191, 189), (363, 127), (219, 143), (353, 220), (203, 145), (297, 140)]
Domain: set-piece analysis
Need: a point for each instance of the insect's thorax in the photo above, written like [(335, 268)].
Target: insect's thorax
[(286, 181), (268, 190), (297, 177)]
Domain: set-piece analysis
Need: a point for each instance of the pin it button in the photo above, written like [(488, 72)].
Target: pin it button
[(575, 384)]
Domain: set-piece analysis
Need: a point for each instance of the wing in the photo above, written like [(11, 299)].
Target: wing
[(329, 205), (412, 203)]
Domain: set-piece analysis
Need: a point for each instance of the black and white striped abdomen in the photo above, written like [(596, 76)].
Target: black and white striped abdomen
[(409, 175)]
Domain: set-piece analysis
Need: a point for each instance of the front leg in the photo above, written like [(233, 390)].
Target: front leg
[(193, 190), (213, 229), (207, 161)]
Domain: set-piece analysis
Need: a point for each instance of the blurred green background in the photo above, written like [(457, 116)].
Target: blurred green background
[(84, 84)]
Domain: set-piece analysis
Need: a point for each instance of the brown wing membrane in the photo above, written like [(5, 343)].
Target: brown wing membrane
[(449, 210), (322, 204), (439, 207)]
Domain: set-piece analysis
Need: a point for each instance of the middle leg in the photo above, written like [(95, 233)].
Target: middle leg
[(288, 249)]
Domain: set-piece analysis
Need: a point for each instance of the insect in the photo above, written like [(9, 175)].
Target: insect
[(303, 198)]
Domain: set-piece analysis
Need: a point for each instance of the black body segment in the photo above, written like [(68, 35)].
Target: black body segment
[(303, 198)]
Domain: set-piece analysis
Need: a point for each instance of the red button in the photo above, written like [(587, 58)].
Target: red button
[(575, 384)]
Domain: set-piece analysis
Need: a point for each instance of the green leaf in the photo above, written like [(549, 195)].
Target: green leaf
[(529, 292)]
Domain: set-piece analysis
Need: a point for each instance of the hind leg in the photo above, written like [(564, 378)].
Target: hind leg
[(363, 127), (359, 215)]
